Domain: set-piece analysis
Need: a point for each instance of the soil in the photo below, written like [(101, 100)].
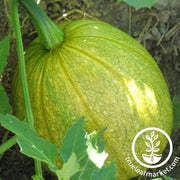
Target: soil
[(157, 29)]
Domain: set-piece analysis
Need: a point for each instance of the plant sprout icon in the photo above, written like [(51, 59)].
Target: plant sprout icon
[(152, 158)]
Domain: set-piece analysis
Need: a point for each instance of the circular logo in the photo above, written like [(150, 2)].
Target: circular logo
[(151, 156)]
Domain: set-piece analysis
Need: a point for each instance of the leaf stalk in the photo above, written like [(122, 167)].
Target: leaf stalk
[(22, 70)]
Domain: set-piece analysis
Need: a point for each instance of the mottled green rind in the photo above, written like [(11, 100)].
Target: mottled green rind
[(103, 74)]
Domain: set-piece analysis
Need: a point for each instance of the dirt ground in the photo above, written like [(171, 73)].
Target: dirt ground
[(157, 29)]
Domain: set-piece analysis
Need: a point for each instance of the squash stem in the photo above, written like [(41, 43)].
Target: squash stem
[(8, 144), (49, 33), (21, 62), (22, 70)]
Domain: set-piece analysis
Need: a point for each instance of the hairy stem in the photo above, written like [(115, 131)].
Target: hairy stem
[(21, 61), (22, 70)]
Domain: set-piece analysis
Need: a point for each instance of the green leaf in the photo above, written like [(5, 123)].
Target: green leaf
[(29, 141), (97, 140), (35, 177), (176, 112), (169, 178), (4, 102), (105, 173), (139, 3), (70, 168), (74, 141), (87, 167), (165, 178), (118, 1), (88, 150), (4, 52), (96, 147)]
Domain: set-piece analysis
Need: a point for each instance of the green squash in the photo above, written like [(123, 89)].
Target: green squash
[(103, 74)]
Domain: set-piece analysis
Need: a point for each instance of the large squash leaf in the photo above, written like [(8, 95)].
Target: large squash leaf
[(30, 143)]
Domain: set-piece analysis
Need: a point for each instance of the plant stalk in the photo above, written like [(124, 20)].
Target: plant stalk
[(21, 62), (8, 144), (22, 70), (49, 33)]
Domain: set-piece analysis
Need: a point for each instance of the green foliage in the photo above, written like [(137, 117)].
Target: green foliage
[(4, 52), (74, 141), (139, 3), (70, 168), (82, 159), (165, 178), (97, 141), (37, 178), (30, 143), (169, 178), (87, 158), (105, 173), (176, 112), (4, 102)]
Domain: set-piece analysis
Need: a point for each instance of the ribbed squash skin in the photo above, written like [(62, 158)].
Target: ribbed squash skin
[(103, 74)]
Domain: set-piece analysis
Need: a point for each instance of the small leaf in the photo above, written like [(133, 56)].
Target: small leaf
[(96, 155), (169, 178), (148, 137), (118, 1), (4, 102), (139, 3), (176, 112), (156, 150), (29, 141), (147, 144), (105, 173), (74, 141), (70, 168), (97, 141), (4, 52), (155, 137), (37, 178), (148, 150), (87, 148), (87, 168), (157, 144), (152, 134)]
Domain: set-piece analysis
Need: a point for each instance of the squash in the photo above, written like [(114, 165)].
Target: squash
[(103, 74)]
